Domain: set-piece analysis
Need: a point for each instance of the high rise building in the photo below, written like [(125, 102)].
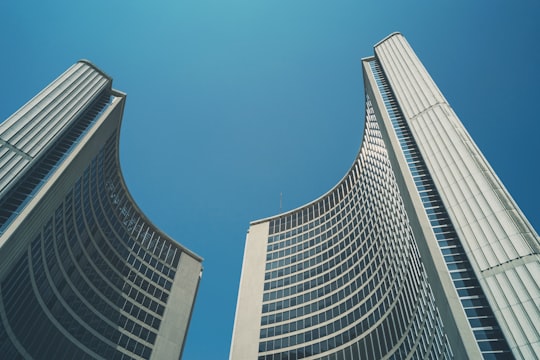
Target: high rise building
[(83, 272), (418, 252)]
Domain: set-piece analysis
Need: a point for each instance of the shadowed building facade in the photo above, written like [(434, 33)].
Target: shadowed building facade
[(418, 252), (83, 273)]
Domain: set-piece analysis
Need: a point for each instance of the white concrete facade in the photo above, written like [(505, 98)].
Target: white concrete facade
[(500, 243), (245, 342)]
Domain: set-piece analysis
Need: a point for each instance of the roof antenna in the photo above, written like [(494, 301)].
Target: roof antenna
[(280, 201)]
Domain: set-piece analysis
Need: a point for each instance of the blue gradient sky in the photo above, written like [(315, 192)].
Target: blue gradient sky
[(231, 103)]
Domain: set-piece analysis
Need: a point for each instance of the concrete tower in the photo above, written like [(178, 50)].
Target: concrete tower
[(83, 273), (418, 251)]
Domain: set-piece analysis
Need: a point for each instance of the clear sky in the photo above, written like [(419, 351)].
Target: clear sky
[(231, 103)]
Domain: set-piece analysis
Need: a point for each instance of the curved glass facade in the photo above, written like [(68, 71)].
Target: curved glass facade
[(343, 276), (96, 279)]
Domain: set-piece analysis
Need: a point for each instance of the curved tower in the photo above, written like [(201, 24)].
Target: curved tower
[(418, 252), (83, 273)]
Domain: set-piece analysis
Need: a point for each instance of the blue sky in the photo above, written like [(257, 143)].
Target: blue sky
[(231, 103)]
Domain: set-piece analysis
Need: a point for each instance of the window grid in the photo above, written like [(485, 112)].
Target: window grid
[(349, 279)]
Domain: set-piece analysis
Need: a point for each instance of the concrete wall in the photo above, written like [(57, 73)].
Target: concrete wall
[(245, 341), (500, 242), (174, 327)]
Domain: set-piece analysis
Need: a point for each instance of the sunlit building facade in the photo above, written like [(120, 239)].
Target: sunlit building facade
[(418, 252), (83, 273)]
